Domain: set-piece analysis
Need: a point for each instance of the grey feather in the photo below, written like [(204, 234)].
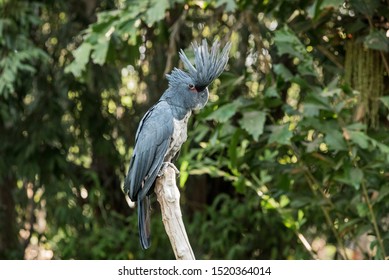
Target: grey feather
[(208, 65), (144, 222), (152, 142)]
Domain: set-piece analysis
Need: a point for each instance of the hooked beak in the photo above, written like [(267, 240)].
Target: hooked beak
[(203, 99)]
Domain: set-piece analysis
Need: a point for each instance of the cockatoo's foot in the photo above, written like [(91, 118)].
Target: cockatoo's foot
[(164, 166)]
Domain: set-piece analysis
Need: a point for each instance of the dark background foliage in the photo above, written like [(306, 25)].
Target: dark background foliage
[(289, 159)]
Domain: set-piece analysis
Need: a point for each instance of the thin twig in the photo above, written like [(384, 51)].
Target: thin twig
[(306, 245), (373, 219), (312, 182), (327, 218), (330, 56), (173, 39), (367, 199), (385, 62)]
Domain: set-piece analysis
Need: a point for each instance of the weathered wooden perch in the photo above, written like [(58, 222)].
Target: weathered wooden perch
[(168, 197)]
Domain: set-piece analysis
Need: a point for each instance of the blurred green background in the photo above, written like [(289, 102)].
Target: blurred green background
[(289, 159)]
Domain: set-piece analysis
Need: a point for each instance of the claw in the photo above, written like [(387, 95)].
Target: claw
[(164, 166)]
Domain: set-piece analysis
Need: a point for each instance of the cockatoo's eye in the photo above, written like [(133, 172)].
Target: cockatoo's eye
[(192, 88)]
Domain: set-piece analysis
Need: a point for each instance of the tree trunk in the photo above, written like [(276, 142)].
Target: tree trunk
[(364, 72), (10, 248)]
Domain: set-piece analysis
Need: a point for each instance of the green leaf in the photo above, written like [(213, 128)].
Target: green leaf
[(356, 26), (351, 176), (335, 140), (377, 40), (312, 10), (359, 138), (313, 103), (364, 141), (331, 3), (384, 192), (156, 11), (253, 123), (128, 27), (305, 67), (230, 5), (288, 43), (100, 51), (265, 177), (272, 91), (349, 224), (81, 58), (357, 126), (385, 101), (281, 135), (224, 112), (382, 147), (300, 201), (366, 7), (356, 176), (362, 210), (283, 72), (319, 8), (184, 174), (102, 26), (232, 149)]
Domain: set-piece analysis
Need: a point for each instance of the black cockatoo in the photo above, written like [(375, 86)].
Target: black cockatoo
[(163, 129)]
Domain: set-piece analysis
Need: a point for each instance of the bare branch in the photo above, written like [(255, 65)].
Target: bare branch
[(168, 197)]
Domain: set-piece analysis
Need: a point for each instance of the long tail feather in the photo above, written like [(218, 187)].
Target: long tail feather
[(144, 222)]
